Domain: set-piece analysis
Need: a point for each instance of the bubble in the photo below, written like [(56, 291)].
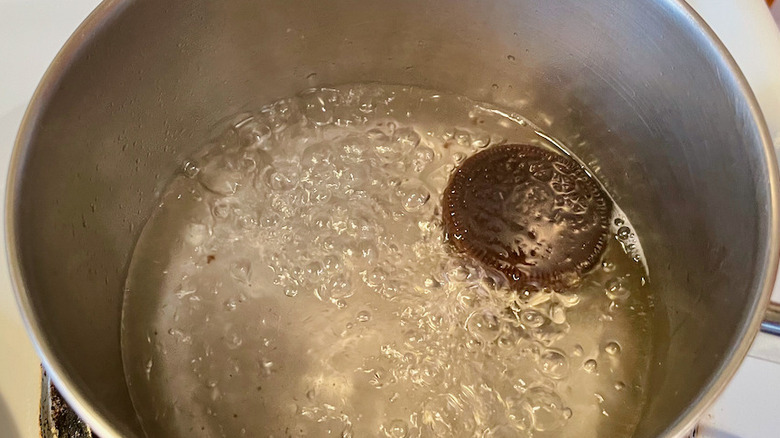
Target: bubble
[(234, 341), (377, 377), (247, 164), (619, 386), (313, 269), (246, 221), (383, 144), (421, 157), (279, 180), (396, 429), (317, 158), (519, 412), (221, 209), (507, 341), (461, 137), (590, 366), (612, 349), (219, 180), (148, 369), (553, 364), (190, 169), (546, 407), (319, 105), (231, 304), (623, 233), (291, 292), (413, 195), (254, 134), (279, 114), (241, 271), (375, 277), (616, 290), (480, 141), (557, 313), (483, 325), (407, 139), (331, 263), (267, 366), (339, 287), (364, 316), (367, 106), (532, 319), (269, 220)]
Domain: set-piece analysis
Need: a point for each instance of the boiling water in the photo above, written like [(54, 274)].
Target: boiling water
[(295, 281)]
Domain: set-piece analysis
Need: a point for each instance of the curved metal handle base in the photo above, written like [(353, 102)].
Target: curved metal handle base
[(771, 322)]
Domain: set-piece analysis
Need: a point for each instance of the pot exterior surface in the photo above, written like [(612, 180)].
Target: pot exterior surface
[(640, 91)]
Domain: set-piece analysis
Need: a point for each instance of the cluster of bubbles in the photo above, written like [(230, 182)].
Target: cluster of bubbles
[(309, 289)]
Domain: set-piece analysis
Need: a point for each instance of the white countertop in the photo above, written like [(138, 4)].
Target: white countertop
[(32, 31)]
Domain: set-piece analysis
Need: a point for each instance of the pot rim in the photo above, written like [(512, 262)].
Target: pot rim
[(107, 12)]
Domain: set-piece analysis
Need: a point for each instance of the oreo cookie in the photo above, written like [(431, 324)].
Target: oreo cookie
[(528, 212)]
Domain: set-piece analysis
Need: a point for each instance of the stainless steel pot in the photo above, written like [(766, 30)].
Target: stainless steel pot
[(640, 89)]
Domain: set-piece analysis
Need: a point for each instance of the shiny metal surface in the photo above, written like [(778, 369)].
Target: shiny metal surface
[(771, 323), (640, 90)]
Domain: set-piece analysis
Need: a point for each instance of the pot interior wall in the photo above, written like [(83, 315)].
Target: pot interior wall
[(632, 87)]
